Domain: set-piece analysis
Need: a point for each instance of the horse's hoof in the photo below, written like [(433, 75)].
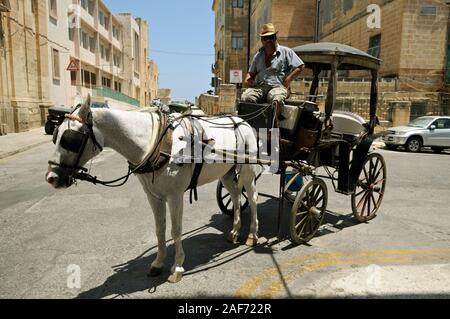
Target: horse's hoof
[(251, 242), (233, 238), (154, 272), (175, 277)]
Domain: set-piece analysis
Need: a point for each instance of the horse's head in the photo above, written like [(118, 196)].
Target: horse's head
[(77, 141)]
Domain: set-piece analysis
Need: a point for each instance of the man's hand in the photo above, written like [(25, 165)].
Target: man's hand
[(249, 80), (250, 83)]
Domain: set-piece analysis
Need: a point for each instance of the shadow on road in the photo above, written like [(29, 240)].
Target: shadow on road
[(206, 250)]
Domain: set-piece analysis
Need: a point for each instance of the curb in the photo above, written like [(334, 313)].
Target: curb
[(20, 150)]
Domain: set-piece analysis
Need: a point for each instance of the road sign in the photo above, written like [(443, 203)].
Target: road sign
[(235, 76), (73, 65)]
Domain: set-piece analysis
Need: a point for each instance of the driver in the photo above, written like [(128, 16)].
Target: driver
[(271, 72)]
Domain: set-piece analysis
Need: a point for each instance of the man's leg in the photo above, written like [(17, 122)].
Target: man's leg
[(252, 95), (277, 96)]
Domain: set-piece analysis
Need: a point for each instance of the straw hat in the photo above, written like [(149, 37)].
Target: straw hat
[(267, 30)]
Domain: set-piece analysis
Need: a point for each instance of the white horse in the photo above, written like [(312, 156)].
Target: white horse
[(134, 135)]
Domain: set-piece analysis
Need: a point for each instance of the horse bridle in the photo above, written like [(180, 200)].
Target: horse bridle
[(75, 142)]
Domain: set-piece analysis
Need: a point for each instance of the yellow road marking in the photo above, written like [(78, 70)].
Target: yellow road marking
[(314, 262)]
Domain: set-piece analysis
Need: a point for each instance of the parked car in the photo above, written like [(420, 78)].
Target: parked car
[(425, 131), (56, 115)]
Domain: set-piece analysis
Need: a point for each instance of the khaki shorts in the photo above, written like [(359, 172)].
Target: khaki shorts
[(262, 94)]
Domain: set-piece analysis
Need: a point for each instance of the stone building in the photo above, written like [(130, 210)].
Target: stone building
[(409, 36), (107, 53), (24, 64), (152, 80), (411, 39), (238, 23)]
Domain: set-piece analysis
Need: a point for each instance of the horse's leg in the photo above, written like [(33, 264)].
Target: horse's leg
[(159, 213), (231, 186), (247, 178), (176, 215)]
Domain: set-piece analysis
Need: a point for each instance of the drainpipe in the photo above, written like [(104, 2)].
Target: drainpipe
[(317, 24), (249, 31)]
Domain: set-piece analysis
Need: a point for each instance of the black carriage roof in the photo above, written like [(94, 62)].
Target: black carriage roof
[(325, 53)]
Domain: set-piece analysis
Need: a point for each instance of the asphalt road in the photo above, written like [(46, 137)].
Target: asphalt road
[(94, 242)]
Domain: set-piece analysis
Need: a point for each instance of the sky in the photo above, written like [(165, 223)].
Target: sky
[(181, 41)]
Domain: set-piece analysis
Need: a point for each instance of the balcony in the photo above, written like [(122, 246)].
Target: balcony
[(104, 91)]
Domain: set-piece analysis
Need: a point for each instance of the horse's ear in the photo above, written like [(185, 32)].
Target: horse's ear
[(85, 111)]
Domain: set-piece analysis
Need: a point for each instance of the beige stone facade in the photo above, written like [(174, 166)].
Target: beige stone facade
[(23, 66), (412, 41), (41, 38), (231, 34), (152, 80)]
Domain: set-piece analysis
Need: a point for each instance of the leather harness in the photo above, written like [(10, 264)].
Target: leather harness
[(160, 157)]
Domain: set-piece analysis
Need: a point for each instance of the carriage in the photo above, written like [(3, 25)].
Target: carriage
[(322, 145)]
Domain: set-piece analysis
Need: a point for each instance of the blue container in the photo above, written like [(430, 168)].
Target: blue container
[(297, 184)]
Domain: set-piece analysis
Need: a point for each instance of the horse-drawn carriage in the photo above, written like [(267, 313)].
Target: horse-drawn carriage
[(336, 144), (152, 143)]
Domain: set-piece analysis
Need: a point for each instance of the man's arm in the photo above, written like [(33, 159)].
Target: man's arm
[(292, 76)]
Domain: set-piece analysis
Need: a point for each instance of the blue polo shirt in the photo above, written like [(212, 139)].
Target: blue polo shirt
[(284, 61)]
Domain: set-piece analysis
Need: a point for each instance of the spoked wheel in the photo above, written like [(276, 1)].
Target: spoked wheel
[(308, 211), (370, 188), (224, 200)]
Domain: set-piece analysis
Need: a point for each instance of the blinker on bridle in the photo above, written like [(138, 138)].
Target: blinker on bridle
[(75, 141)]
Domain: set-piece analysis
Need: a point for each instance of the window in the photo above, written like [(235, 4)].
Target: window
[(116, 32), (91, 7), (237, 40), (33, 6), (104, 52), (117, 86), (375, 45), (348, 5), (71, 33), (55, 58), (85, 40), (89, 79), (106, 82), (53, 9), (137, 56), (92, 44), (84, 4), (442, 124), (103, 19), (117, 60), (326, 11), (73, 77), (237, 3)]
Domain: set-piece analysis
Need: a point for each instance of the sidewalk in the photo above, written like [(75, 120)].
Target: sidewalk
[(14, 143)]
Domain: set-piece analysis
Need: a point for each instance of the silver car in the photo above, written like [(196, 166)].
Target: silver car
[(429, 131)]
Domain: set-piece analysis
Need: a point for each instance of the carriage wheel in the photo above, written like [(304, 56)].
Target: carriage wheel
[(224, 200), (308, 211), (370, 188)]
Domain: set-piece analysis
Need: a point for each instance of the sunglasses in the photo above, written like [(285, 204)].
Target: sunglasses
[(270, 37)]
